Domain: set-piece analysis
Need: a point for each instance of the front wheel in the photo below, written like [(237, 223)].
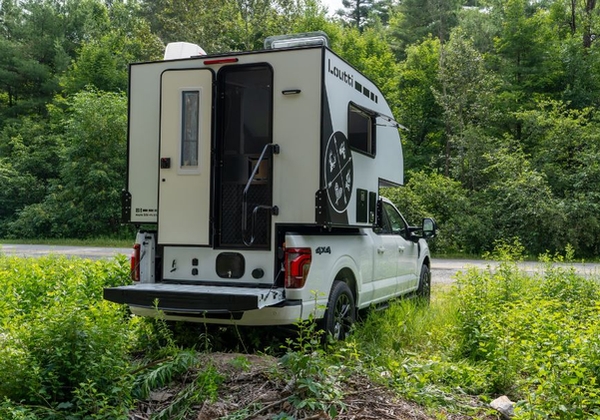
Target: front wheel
[(341, 311), (424, 290)]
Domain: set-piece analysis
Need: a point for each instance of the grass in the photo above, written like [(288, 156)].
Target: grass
[(533, 338)]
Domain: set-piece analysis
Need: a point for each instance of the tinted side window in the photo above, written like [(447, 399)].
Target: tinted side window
[(361, 130), (397, 223)]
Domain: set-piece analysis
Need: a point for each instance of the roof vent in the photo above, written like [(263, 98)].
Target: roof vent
[(175, 50), (297, 40)]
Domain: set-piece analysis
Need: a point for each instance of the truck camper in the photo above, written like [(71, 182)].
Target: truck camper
[(254, 178)]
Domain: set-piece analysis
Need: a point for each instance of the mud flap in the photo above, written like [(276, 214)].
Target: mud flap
[(194, 298)]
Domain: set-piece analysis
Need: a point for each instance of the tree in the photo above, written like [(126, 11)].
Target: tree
[(416, 20), (218, 26), (85, 199), (527, 53), (417, 106), (361, 13), (466, 94), (29, 161), (521, 202)]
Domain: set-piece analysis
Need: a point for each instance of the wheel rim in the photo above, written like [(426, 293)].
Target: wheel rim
[(426, 285), (342, 317)]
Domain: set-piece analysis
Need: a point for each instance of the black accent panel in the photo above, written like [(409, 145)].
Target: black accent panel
[(230, 265), (244, 128), (231, 226), (321, 208), (125, 206), (372, 207), (361, 205), (182, 301)]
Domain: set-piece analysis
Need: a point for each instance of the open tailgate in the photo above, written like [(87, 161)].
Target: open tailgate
[(194, 298)]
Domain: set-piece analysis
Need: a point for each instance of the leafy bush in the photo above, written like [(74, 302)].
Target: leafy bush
[(62, 348), (538, 334), (499, 331), (437, 196)]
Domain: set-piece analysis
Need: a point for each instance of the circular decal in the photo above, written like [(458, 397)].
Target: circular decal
[(338, 171)]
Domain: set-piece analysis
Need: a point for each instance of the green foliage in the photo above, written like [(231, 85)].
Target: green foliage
[(499, 331), (84, 201), (62, 348), (461, 227), (537, 333), (417, 108), (316, 373)]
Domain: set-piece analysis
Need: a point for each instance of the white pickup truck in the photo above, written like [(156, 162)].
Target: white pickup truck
[(254, 179)]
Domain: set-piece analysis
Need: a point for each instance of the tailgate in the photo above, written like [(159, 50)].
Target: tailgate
[(193, 298)]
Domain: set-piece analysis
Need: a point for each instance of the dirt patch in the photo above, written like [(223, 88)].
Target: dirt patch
[(253, 388)]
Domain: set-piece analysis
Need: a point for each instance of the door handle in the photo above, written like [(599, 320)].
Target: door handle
[(401, 249), (380, 250)]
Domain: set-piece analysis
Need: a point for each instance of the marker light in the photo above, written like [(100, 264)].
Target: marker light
[(297, 40), (220, 61)]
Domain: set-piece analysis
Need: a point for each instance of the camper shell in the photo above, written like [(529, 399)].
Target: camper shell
[(254, 178)]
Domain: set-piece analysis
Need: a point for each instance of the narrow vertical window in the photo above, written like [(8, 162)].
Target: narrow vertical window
[(190, 127)]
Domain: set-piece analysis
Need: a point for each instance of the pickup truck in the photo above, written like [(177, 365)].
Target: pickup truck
[(253, 179)]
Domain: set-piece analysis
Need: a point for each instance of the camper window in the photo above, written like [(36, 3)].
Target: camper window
[(361, 133), (190, 125)]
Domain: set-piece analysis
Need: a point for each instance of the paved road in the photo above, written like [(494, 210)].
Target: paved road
[(442, 270), (94, 253)]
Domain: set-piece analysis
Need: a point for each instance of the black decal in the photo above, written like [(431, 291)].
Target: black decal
[(323, 250), (338, 171)]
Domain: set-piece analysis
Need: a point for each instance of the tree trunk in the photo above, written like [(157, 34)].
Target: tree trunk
[(573, 23), (588, 37)]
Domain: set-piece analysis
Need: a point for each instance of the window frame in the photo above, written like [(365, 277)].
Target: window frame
[(371, 119), (183, 139)]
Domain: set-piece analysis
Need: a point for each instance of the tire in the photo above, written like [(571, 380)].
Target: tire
[(341, 311), (424, 289)]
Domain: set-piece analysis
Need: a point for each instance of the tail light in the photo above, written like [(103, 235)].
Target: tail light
[(135, 263), (297, 264)]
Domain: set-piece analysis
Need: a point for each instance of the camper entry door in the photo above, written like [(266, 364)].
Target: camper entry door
[(185, 153)]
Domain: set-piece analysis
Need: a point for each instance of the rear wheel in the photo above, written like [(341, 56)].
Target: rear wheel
[(341, 311), (424, 290)]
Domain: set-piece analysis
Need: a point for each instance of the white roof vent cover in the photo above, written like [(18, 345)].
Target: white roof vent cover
[(175, 50)]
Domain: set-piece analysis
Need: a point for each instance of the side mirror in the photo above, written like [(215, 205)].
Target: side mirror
[(429, 228)]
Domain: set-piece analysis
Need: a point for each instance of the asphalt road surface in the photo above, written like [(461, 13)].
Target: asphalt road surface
[(442, 270)]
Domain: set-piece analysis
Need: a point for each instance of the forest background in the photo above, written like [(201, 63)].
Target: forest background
[(500, 100)]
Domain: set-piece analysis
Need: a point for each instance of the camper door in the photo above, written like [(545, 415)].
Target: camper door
[(185, 156)]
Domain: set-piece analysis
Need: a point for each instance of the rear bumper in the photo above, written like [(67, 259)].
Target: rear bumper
[(194, 298), (270, 315)]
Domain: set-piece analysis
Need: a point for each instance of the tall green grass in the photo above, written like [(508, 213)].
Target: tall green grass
[(62, 348), (67, 354), (533, 338)]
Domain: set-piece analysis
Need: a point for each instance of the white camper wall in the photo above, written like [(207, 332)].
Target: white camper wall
[(144, 132), (296, 128), (298, 121), (345, 85)]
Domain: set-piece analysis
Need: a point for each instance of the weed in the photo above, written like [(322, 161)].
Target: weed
[(316, 371), (203, 388), (161, 372)]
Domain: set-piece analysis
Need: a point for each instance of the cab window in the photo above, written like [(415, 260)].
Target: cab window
[(394, 223)]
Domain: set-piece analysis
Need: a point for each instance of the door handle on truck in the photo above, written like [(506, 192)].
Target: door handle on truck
[(380, 250), (401, 249)]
